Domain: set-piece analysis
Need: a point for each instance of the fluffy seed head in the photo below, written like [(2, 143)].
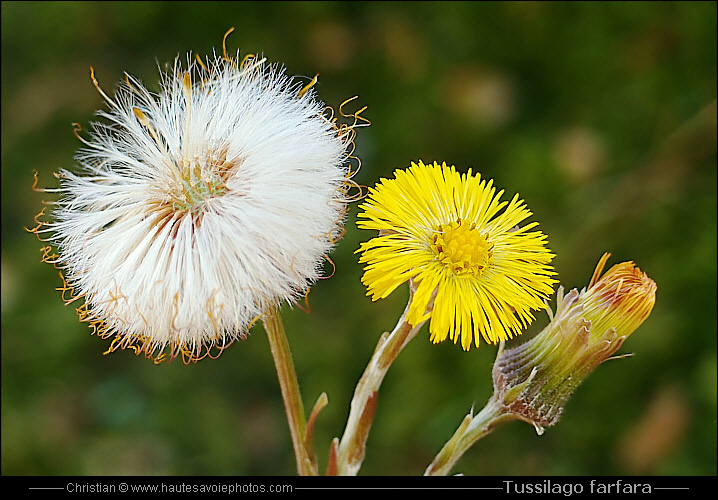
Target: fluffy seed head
[(195, 209)]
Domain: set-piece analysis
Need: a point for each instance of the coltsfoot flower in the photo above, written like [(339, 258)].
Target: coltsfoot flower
[(461, 245), (534, 380), (196, 209)]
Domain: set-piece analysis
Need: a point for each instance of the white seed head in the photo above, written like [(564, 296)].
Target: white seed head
[(196, 209)]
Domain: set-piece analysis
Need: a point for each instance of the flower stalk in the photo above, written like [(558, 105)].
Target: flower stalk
[(472, 428), (347, 456), (282, 356)]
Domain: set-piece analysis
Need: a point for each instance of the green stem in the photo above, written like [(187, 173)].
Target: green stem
[(306, 464), (472, 429)]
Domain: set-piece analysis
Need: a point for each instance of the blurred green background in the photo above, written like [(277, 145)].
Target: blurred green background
[(601, 115)]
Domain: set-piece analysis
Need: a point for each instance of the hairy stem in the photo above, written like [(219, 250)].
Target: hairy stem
[(472, 429), (350, 452)]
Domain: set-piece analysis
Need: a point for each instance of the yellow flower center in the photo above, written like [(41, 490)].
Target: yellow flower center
[(462, 248)]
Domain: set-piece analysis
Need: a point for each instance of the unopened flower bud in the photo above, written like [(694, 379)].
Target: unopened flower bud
[(534, 380)]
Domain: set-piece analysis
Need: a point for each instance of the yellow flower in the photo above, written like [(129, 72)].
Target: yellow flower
[(451, 235)]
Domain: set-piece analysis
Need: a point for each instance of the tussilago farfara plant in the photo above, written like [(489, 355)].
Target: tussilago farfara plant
[(198, 211)]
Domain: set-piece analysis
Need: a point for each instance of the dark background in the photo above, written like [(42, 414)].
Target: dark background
[(601, 115)]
